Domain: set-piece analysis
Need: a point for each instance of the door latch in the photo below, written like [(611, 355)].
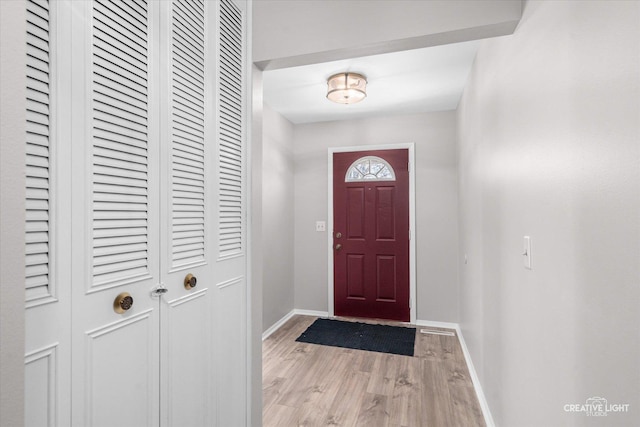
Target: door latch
[(159, 290)]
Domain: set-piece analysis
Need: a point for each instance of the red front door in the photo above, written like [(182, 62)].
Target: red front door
[(371, 234)]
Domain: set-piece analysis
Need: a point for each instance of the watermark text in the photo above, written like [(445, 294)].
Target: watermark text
[(596, 407)]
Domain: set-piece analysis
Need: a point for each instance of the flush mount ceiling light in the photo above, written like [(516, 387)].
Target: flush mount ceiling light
[(347, 88)]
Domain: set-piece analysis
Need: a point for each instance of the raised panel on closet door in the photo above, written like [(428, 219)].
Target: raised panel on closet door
[(187, 141), (114, 214)]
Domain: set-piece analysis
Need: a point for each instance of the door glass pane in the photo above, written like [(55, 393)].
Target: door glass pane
[(370, 168)]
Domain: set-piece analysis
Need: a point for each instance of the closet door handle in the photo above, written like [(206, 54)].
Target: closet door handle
[(190, 281), (122, 303)]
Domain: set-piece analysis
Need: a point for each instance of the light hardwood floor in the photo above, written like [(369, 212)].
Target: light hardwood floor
[(315, 385)]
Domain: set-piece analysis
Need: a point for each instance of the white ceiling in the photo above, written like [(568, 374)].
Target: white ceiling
[(413, 81)]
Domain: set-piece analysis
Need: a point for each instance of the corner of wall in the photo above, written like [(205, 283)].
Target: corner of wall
[(277, 179), (12, 216)]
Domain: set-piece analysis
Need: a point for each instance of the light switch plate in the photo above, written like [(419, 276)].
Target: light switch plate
[(321, 226), (527, 252)]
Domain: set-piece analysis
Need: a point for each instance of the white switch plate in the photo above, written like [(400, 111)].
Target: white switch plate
[(527, 252), (321, 226)]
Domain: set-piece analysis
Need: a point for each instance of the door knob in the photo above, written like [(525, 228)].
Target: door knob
[(190, 281), (338, 247), (338, 235), (122, 303)]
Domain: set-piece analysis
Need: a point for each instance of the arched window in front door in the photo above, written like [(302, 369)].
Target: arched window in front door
[(370, 168)]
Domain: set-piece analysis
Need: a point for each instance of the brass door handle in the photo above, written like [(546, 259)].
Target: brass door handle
[(122, 303), (338, 247), (190, 281)]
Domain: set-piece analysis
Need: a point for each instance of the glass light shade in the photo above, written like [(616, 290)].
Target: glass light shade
[(347, 88)]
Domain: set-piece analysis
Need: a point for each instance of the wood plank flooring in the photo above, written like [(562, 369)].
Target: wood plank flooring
[(314, 385)]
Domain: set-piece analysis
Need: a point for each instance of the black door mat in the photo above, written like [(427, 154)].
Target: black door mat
[(361, 336)]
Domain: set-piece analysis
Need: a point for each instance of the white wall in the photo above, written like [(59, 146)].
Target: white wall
[(290, 33), (549, 146), (436, 204), (12, 217), (277, 217)]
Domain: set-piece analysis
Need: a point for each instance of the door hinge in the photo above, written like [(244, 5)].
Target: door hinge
[(410, 303)]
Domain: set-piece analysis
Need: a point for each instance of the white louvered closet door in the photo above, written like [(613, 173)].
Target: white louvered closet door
[(115, 213), (230, 213), (203, 227), (188, 140), (136, 172), (47, 334)]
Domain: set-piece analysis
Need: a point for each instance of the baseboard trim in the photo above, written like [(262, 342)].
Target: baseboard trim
[(277, 325), (288, 316), (446, 325), (311, 313), (488, 418)]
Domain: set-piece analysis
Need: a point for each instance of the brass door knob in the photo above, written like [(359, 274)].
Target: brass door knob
[(190, 281), (122, 303), (338, 247)]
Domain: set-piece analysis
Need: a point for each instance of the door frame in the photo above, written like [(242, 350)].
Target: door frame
[(412, 219)]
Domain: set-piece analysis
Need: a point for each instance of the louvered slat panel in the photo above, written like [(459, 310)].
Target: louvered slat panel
[(230, 131), (120, 138), (187, 134), (37, 151)]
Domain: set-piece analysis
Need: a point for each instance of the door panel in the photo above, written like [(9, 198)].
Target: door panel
[(230, 236), (122, 185), (47, 299), (38, 149), (121, 383), (355, 276), (385, 213), (355, 213), (371, 225), (187, 71), (115, 244), (188, 359), (386, 278), (231, 128), (42, 378), (230, 348), (187, 68)]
